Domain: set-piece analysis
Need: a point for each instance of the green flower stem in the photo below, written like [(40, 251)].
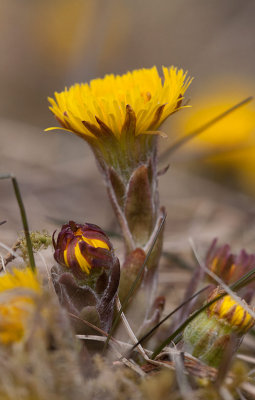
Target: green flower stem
[(134, 285), (23, 218)]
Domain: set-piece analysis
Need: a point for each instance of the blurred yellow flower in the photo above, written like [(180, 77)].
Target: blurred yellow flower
[(17, 290), (227, 148), (104, 107), (235, 129)]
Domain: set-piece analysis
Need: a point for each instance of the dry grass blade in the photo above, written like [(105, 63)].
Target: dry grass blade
[(149, 333), (180, 142), (225, 394), (119, 355), (238, 391), (129, 330), (134, 340), (235, 286), (23, 218), (11, 256), (89, 324), (129, 363), (249, 388), (246, 358), (135, 283), (11, 252), (181, 377), (132, 365), (2, 266), (103, 339)]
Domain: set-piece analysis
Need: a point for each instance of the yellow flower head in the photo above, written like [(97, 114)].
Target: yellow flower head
[(15, 304), (230, 312), (111, 113), (111, 99)]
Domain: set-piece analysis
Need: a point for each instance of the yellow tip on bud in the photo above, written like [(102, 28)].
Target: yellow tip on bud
[(82, 247), (222, 324), (231, 312)]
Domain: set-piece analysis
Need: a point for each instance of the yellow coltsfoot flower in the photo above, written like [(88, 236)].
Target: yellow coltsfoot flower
[(119, 115), (17, 302), (111, 99), (224, 322)]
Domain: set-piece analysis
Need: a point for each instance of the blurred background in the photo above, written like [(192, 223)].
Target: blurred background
[(46, 45)]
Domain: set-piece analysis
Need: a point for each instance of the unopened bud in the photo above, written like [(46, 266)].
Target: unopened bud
[(86, 278), (225, 321), (83, 248)]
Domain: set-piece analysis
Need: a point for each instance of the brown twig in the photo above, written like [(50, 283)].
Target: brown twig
[(10, 256)]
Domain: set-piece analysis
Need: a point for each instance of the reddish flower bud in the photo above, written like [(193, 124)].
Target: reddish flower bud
[(86, 278), (83, 248), (228, 266)]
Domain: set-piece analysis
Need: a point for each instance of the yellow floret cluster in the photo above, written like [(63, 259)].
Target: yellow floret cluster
[(151, 98), (233, 313)]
